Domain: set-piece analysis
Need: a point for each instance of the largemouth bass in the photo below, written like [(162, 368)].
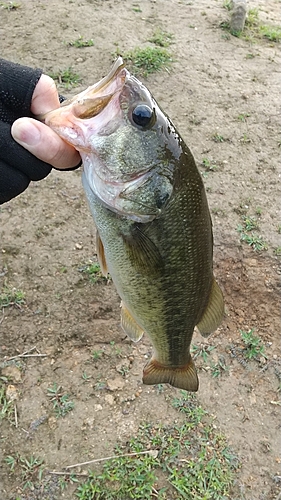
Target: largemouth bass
[(154, 231)]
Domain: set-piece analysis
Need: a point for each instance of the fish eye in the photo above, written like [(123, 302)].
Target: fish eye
[(143, 115)]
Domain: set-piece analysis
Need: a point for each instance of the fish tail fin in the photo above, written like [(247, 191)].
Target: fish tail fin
[(213, 313), (183, 377)]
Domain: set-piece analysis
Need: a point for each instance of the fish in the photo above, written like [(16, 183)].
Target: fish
[(154, 230)]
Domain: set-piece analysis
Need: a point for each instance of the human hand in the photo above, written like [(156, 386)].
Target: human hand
[(24, 91), (38, 138)]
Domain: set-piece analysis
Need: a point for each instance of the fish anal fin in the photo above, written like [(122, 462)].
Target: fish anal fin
[(183, 377), (213, 313), (101, 255), (129, 325)]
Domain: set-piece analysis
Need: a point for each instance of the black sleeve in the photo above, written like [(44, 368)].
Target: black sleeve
[(17, 166)]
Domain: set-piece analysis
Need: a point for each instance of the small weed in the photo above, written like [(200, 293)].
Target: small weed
[(86, 377), (188, 405), (80, 43), (97, 354), (259, 211), (272, 33), (31, 468), (11, 297), (245, 139), (218, 138), (219, 212), (227, 4), (277, 251), (161, 38), (201, 350), (217, 369), (243, 117), (6, 406), (209, 166), (256, 242), (61, 403), (123, 370), (253, 346), (252, 17), (10, 5), (116, 350), (93, 271), (279, 229), (249, 223), (67, 78), (148, 60)]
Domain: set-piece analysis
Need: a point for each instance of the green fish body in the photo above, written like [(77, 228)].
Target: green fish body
[(154, 231)]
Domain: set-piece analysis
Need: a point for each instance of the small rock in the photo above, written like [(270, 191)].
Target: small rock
[(97, 407), (13, 373), (78, 246), (89, 422), (115, 384), (251, 262), (109, 399), (12, 393), (52, 422)]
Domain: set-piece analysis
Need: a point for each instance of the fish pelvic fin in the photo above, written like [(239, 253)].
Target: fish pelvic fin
[(101, 255), (183, 377), (213, 313), (129, 325)]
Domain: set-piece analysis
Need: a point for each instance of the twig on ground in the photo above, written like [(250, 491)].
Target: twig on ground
[(16, 415), (27, 354), (2, 319), (153, 453)]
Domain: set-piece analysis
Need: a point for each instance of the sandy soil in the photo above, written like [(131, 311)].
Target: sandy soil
[(217, 86)]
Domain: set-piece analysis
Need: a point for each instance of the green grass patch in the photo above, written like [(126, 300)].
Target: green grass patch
[(7, 410), (66, 78), (10, 5), (187, 460), (60, 400), (93, 271), (80, 43), (11, 297), (254, 30), (144, 61), (161, 38), (253, 345), (247, 234)]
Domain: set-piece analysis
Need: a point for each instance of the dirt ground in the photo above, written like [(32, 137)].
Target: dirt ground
[(218, 87)]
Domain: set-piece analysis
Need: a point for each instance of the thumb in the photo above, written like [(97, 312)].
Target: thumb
[(44, 143)]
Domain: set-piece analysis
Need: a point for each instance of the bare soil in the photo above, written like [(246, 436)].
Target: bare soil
[(219, 87)]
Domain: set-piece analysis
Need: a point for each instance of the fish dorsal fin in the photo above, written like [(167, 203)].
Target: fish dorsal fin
[(101, 255), (142, 251), (213, 313), (129, 325), (183, 377)]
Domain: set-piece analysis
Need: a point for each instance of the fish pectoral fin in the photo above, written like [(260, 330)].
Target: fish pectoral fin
[(101, 255), (183, 377), (213, 313), (142, 251), (129, 325)]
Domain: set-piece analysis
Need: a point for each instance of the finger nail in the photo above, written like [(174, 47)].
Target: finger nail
[(25, 132)]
